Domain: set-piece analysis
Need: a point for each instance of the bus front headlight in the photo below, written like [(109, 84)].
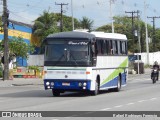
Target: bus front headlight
[(52, 83), (84, 84), (47, 83), (80, 84)]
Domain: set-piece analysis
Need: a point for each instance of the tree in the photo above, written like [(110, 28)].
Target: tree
[(44, 25), (18, 47), (1, 27), (86, 23), (123, 25), (47, 24), (67, 22)]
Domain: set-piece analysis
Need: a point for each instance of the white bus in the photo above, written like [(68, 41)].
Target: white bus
[(81, 61)]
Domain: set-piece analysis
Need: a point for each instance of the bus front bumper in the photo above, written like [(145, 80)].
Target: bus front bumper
[(67, 85)]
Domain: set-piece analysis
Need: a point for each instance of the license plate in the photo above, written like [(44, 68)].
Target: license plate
[(66, 84)]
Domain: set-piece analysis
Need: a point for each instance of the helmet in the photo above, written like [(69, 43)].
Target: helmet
[(156, 63)]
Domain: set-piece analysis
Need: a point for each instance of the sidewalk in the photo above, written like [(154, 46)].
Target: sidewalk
[(21, 82)]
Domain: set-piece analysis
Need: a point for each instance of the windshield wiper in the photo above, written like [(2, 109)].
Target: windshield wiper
[(59, 60), (74, 59)]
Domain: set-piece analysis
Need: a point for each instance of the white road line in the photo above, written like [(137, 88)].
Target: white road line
[(142, 101), (106, 109), (130, 104), (153, 99), (118, 106)]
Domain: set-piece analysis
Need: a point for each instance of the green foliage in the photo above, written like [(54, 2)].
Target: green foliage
[(1, 27), (123, 24), (86, 23), (18, 47), (35, 68), (47, 24)]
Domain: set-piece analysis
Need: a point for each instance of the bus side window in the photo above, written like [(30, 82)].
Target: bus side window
[(124, 48), (102, 46), (106, 47), (110, 47), (115, 47), (98, 47), (94, 49), (120, 43)]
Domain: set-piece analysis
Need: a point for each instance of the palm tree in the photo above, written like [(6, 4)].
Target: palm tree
[(44, 25), (86, 23)]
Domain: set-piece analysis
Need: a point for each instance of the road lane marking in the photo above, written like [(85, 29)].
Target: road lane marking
[(130, 104), (153, 99), (118, 106), (142, 101), (106, 109)]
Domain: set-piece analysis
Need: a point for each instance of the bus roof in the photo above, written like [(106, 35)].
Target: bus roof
[(110, 35), (72, 34)]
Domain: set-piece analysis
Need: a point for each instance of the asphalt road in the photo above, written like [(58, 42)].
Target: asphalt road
[(139, 95)]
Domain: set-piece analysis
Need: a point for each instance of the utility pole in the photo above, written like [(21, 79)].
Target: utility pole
[(147, 47), (61, 4), (133, 12), (111, 14), (139, 37), (6, 49), (72, 14), (153, 31), (138, 33)]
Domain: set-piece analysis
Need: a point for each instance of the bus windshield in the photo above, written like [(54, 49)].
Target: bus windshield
[(67, 52)]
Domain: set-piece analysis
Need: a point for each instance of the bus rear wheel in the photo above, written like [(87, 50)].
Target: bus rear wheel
[(118, 85), (55, 93)]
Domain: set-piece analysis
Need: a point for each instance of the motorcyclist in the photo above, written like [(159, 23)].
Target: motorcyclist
[(155, 66)]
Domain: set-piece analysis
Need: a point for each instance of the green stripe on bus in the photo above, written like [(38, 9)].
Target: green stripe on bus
[(116, 72)]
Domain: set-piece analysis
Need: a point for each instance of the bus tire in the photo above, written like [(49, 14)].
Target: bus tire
[(55, 93), (96, 91), (118, 85)]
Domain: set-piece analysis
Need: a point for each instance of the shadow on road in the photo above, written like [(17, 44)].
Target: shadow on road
[(48, 93)]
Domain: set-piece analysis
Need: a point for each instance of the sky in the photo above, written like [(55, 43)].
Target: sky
[(97, 10)]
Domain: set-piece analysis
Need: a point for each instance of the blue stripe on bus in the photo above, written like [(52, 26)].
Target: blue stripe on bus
[(74, 84)]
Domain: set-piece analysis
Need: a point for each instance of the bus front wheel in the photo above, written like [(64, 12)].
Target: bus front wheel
[(55, 93), (96, 91)]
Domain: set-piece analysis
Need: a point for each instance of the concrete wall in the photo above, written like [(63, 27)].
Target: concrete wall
[(155, 56), (36, 60)]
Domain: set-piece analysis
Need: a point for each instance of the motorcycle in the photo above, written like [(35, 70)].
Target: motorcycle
[(154, 75)]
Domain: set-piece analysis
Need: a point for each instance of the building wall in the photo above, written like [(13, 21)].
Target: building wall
[(155, 56), (18, 29)]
